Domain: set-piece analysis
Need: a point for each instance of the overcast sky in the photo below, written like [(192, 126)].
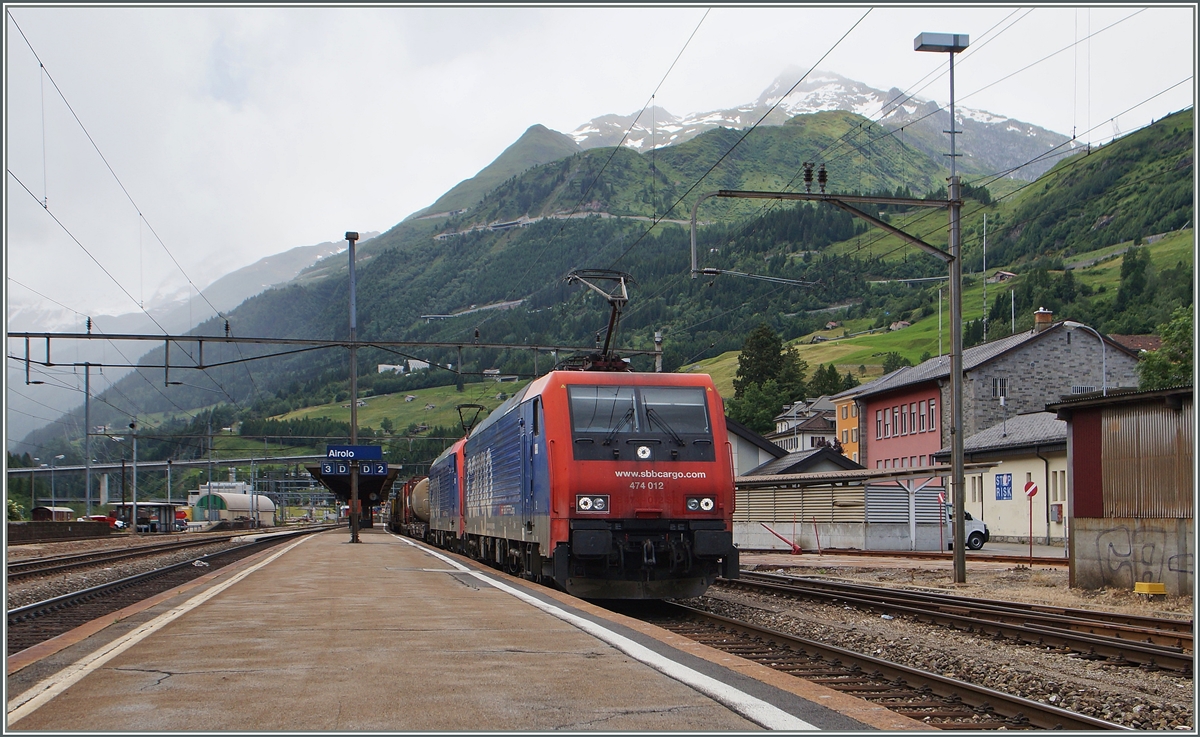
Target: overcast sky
[(243, 132)]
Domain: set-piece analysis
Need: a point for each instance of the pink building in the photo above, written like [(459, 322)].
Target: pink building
[(904, 426)]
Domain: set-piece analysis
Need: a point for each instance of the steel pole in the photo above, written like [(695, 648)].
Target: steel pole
[(354, 521), (133, 426), (956, 356), (87, 435)]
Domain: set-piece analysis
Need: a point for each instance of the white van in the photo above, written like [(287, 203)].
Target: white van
[(976, 531)]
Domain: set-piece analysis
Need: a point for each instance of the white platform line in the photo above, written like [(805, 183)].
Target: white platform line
[(33, 699), (751, 707)]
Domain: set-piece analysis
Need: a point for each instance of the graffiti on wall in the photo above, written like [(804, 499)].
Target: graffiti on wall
[(1128, 555)]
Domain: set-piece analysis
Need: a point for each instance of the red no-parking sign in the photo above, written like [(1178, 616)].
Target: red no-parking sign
[(1030, 489)]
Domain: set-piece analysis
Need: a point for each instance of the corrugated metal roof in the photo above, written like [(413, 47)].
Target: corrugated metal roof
[(1035, 428), (853, 476), (1117, 396)]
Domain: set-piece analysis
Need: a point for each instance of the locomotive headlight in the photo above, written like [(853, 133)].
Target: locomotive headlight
[(593, 504), (706, 504), (693, 504)]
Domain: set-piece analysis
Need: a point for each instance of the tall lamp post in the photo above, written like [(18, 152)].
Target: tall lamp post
[(52, 460), (953, 43), (351, 237), (1104, 353)]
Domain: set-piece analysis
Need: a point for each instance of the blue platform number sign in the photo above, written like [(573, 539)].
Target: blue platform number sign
[(335, 468), (1003, 487), (374, 468)]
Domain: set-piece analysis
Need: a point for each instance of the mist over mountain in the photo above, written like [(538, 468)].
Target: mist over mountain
[(175, 314)]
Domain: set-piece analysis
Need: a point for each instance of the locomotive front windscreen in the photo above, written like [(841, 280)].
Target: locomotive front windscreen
[(680, 408), (655, 422), (602, 409)]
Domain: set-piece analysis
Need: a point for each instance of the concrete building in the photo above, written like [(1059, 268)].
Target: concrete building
[(1131, 489), (905, 418), (1030, 448), (750, 450)]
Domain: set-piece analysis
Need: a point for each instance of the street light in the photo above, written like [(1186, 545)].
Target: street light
[(52, 460), (1072, 325), (953, 43)]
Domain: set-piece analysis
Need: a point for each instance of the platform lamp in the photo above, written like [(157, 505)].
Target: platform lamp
[(953, 43), (1072, 325)]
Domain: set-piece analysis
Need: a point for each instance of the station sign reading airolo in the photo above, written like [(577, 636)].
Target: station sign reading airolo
[(354, 452)]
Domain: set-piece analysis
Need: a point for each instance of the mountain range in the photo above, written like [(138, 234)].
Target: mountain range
[(989, 143), (467, 248)]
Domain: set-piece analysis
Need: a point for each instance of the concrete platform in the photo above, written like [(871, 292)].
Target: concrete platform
[(325, 635)]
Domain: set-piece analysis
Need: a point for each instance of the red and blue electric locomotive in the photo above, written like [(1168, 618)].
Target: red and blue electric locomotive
[(610, 484)]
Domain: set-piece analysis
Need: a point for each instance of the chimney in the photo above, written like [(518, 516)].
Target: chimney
[(1042, 319)]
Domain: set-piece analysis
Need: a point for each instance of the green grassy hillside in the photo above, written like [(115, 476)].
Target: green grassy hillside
[(404, 413)]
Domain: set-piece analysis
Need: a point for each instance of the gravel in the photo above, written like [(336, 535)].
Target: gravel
[(40, 588), (1134, 697)]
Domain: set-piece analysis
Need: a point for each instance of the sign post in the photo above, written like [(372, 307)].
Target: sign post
[(1030, 493), (942, 523), (344, 460)]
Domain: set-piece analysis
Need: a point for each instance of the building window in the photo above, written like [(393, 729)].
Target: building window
[(878, 424), (912, 417), (999, 388), (845, 410), (854, 435), (974, 489), (845, 436), (922, 460), (887, 422), (912, 461), (932, 415), (854, 409), (878, 463), (896, 421), (856, 457), (902, 420), (921, 406), (887, 462)]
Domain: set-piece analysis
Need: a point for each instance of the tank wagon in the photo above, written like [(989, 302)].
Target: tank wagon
[(607, 484)]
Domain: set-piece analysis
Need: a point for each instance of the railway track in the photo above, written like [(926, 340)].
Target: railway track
[(20, 569), (1148, 642), (35, 623), (938, 701), (927, 555)]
